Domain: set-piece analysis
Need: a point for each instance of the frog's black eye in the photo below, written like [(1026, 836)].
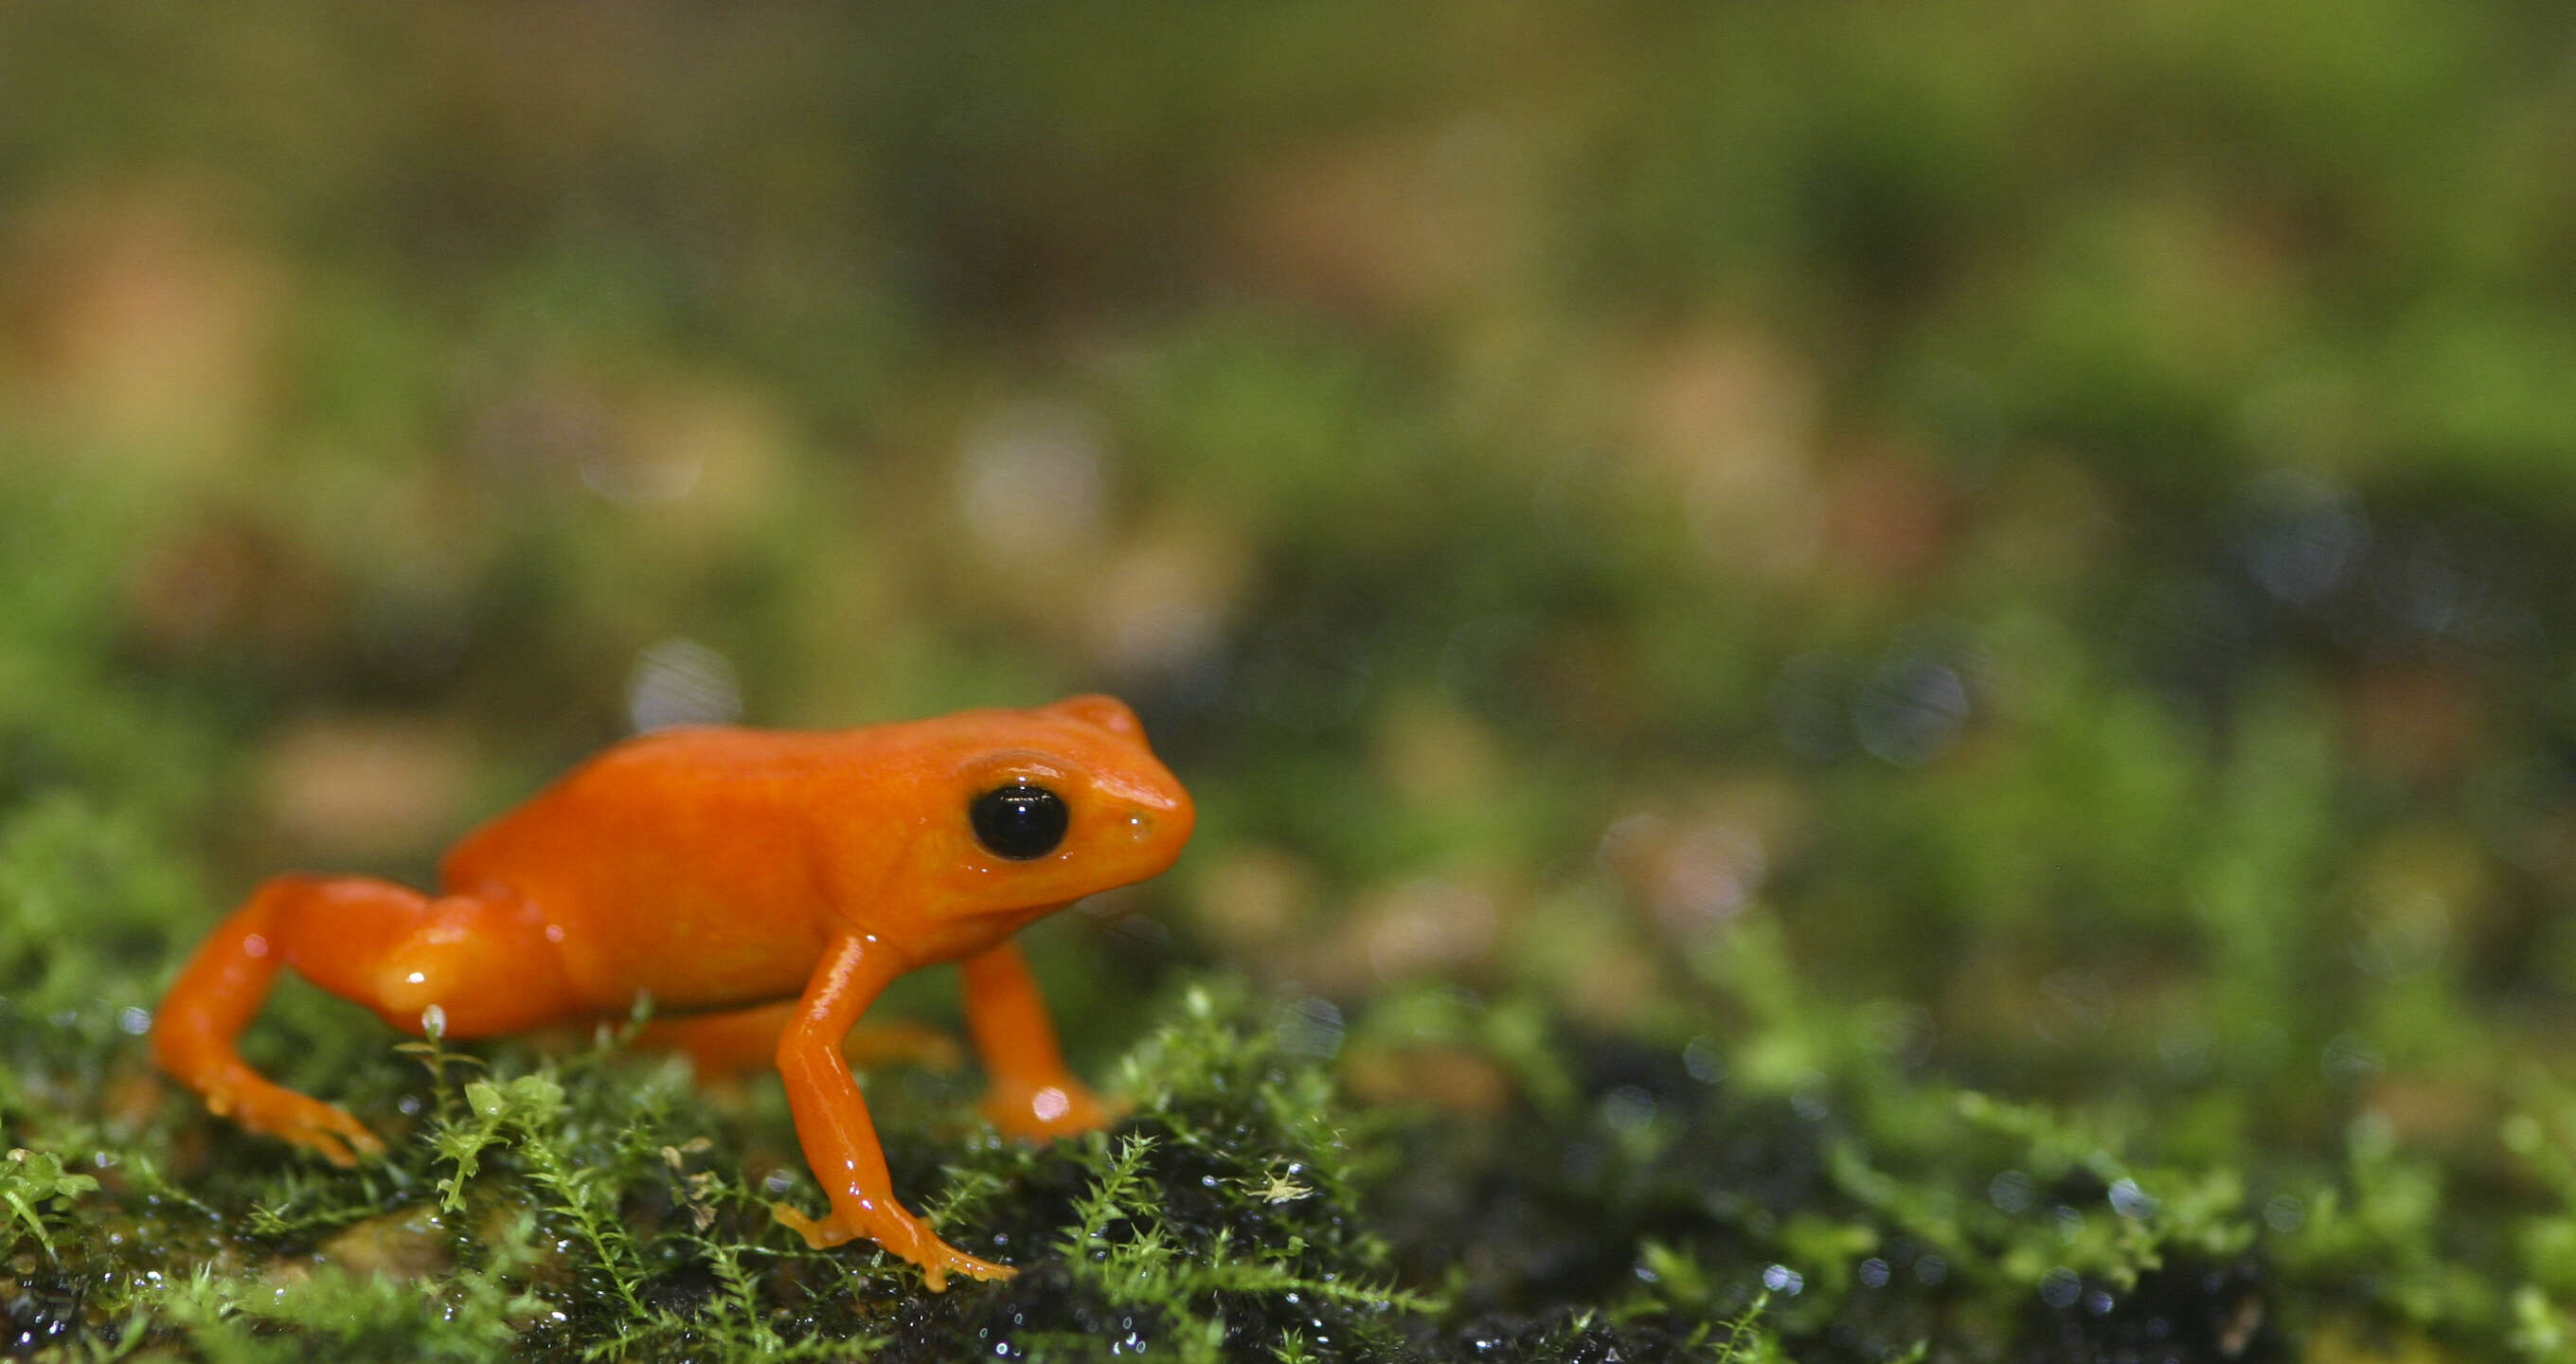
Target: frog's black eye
[(1019, 821)]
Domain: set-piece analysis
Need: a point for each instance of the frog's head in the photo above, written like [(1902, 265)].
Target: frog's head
[(1028, 810)]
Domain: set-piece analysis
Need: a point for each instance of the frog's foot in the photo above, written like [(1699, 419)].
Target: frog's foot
[(1034, 1111), (905, 1235), (326, 1129)]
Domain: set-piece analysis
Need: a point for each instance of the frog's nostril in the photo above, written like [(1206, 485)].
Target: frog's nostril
[(1140, 826)]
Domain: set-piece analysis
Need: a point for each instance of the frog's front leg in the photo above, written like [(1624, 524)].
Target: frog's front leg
[(1032, 1094), (833, 1126)]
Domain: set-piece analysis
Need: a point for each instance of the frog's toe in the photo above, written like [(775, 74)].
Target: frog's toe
[(947, 1260), (341, 1139), (905, 1237), (329, 1147), (820, 1233), (326, 1130)]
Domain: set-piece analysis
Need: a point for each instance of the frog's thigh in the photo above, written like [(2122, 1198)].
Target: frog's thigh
[(485, 963)]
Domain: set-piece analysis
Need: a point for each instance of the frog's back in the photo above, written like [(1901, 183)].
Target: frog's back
[(681, 862), (671, 792)]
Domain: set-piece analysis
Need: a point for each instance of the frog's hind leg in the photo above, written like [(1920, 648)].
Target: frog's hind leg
[(216, 995), (486, 966), (725, 1045)]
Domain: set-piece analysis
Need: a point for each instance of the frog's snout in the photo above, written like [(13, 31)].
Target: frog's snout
[(1161, 818)]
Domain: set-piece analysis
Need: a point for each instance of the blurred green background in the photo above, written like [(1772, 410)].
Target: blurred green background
[(2042, 531)]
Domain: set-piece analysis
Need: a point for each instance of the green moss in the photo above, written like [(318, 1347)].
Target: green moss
[(1867, 682)]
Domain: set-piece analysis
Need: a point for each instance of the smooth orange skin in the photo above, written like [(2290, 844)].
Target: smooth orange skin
[(783, 878)]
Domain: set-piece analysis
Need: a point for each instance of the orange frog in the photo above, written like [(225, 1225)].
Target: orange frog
[(763, 886)]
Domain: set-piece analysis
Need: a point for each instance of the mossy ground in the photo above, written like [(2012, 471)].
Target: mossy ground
[(1867, 681), (1783, 1185)]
